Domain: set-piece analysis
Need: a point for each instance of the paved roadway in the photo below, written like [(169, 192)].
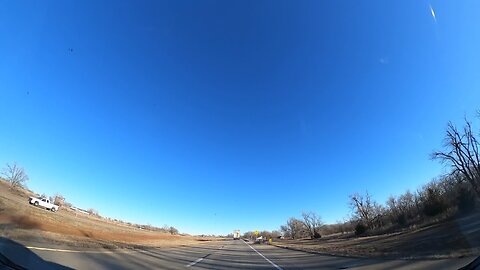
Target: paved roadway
[(221, 255)]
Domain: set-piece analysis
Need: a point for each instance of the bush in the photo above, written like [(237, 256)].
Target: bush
[(465, 201), (433, 204), (433, 208), (317, 235), (92, 212), (402, 220), (173, 230), (59, 200), (360, 229)]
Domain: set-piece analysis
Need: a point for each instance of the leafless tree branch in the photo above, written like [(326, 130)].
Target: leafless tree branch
[(15, 175)]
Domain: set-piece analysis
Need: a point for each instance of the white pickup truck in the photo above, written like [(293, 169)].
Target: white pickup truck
[(43, 202)]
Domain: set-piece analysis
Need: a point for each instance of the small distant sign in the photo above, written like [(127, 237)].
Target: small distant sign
[(256, 233)]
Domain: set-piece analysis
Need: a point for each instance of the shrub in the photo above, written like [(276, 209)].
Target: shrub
[(433, 208), (360, 229), (433, 204), (173, 230), (465, 201), (92, 212), (402, 219)]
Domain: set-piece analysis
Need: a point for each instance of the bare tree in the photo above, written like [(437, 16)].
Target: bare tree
[(395, 213), (312, 222), (59, 199), (248, 235), (15, 175), (365, 209), (433, 198), (93, 212), (275, 234), (166, 228), (406, 204), (172, 230), (286, 231), (462, 153), (296, 228)]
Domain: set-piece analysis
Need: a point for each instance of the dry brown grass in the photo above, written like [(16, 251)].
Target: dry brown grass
[(21, 221), (457, 237)]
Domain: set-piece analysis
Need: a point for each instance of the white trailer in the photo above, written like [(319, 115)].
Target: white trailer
[(236, 234)]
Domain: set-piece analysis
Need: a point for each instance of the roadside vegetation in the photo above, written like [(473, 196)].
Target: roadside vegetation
[(456, 193), (453, 198), (71, 225), (264, 234), (16, 177)]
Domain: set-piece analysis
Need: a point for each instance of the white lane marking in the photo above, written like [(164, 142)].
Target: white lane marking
[(272, 263), (74, 251), (195, 262), (201, 259)]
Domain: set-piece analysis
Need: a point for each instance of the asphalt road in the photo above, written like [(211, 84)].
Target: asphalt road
[(224, 255)]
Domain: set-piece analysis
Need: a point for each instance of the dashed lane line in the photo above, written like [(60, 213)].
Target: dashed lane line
[(201, 259), (272, 263), (196, 261)]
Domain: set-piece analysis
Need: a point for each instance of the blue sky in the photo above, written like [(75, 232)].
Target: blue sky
[(217, 115)]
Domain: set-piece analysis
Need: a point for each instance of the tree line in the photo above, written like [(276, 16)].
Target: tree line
[(458, 192)]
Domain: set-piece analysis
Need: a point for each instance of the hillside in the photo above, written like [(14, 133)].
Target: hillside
[(23, 222)]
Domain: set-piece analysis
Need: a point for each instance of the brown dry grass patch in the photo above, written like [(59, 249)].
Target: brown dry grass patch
[(20, 219), (457, 237)]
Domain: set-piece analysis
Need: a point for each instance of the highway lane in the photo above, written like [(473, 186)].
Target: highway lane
[(291, 259), (220, 255), (234, 255)]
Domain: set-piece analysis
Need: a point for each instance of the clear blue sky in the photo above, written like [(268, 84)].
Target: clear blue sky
[(217, 115)]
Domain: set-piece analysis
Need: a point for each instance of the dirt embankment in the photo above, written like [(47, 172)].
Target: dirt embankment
[(21, 221), (454, 238)]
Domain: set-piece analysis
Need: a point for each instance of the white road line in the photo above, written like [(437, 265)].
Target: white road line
[(195, 262), (75, 251), (201, 259), (272, 263)]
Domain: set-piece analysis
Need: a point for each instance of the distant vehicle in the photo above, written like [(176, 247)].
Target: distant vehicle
[(236, 234), (43, 202)]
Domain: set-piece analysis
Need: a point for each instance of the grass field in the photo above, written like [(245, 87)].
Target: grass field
[(23, 222)]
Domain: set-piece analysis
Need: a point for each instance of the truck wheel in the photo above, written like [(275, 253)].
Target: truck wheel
[(52, 209), (36, 204)]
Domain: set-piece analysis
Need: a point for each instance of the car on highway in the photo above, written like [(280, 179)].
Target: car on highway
[(43, 202), (259, 240)]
